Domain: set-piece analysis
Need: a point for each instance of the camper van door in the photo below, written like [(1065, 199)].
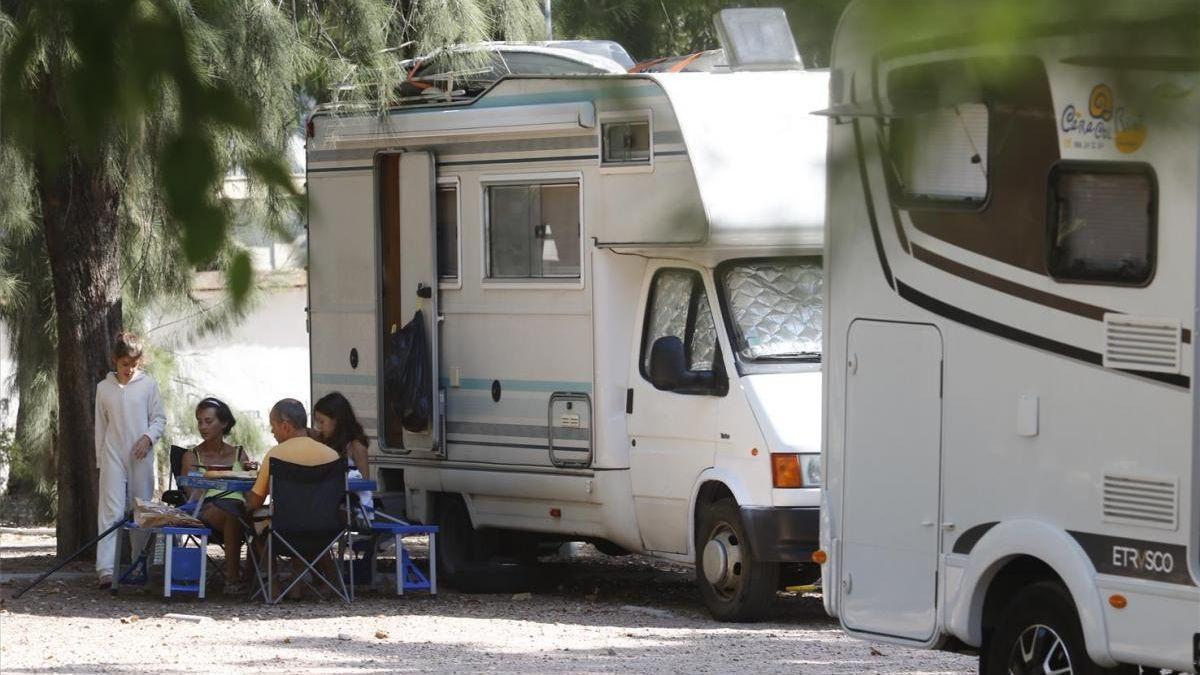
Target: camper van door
[(419, 279), (672, 431), (890, 528)]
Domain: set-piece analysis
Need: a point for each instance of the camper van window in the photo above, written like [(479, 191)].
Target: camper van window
[(1102, 222), (942, 155), (679, 306), (625, 143), (447, 232), (533, 231), (775, 308)]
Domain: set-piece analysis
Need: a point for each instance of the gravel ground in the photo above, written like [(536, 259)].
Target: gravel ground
[(592, 614)]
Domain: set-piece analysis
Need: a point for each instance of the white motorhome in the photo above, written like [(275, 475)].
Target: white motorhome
[(620, 276), (1012, 435)]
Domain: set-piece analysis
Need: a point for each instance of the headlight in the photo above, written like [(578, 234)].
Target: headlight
[(812, 470)]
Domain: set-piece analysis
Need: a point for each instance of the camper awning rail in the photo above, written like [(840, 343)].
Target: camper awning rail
[(859, 110), (456, 122)]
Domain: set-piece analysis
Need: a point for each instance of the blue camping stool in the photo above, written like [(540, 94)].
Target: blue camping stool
[(409, 576), (184, 568)]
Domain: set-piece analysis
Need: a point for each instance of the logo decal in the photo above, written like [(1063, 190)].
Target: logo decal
[(1103, 122), (1153, 560), (1100, 103)]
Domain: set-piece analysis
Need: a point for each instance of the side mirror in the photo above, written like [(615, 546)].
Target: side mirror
[(668, 363)]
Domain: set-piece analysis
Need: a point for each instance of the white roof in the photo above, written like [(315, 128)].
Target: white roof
[(764, 182)]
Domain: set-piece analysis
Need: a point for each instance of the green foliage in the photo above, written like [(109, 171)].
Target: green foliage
[(653, 28), (166, 98)]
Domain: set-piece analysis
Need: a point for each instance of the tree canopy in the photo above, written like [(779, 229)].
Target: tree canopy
[(119, 120)]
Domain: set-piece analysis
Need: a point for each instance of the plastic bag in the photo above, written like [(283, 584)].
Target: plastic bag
[(150, 514), (406, 375)]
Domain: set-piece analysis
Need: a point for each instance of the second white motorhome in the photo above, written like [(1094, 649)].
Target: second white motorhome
[(621, 282), (1012, 437)]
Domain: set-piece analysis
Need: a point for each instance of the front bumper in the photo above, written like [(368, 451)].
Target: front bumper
[(782, 534)]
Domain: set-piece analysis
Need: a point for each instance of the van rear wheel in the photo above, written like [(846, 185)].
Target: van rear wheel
[(735, 585), (1039, 632)]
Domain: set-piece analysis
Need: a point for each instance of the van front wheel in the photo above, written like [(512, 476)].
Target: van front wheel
[(735, 585)]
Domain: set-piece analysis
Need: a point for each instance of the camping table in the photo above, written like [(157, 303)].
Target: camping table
[(232, 485)]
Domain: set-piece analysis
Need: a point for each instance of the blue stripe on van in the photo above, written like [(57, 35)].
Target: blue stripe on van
[(344, 378), (519, 385)]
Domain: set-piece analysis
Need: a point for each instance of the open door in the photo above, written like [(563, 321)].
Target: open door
[(890, 527), (409, 241)]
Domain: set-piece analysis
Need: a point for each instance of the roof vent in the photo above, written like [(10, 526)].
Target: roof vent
[(757, 38), (1134, 343), (1138, 500)]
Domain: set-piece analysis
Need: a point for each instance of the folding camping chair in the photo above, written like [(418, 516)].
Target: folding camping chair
[(309, 516)]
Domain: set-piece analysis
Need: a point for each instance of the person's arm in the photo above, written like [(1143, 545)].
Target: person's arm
[(358, 453), (258, 493), (101, 426), (157, 423), (185, 468)]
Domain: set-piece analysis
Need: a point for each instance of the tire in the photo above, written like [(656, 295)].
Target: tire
[(459, 545), (465, 556), (1039, 632), (735, 585)]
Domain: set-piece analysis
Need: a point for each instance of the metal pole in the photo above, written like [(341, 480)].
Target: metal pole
[(63, 563), (549, 22)]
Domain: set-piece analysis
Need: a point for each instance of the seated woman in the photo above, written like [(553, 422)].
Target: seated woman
[(214, 421), (338, 428)]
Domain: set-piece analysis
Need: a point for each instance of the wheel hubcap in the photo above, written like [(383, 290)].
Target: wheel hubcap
[(722, 560), (1039, 650)]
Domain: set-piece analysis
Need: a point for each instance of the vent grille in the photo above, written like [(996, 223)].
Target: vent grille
[(1133, 343), (1139, 500)]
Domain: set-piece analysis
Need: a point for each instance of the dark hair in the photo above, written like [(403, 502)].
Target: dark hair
[(126, 344), (290, 410), (224, 414), (346, 427)]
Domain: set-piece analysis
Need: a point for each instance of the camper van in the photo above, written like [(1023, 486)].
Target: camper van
[(1012, 442), (616, 279)]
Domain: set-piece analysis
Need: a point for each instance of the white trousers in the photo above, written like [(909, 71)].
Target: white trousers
[(120, 482)]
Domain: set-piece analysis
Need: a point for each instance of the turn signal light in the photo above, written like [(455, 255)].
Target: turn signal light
[(785, 470), (819, 557), (1117, 601)]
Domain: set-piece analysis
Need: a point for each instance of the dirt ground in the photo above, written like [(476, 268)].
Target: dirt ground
[(590, 614)]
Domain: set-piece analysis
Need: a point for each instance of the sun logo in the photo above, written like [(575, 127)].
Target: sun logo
[(1100, 103)]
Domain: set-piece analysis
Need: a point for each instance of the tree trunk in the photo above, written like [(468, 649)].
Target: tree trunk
[(80, 218)]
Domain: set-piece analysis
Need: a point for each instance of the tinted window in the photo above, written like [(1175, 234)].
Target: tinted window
[(533, 231), (679, 306), (626, 142), (1102, 223), (447, 232), (942, 155)]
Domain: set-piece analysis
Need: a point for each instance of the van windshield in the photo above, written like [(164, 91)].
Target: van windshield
[(774, 307)]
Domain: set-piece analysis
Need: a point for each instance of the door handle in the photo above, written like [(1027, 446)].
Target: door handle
[(948, 527), (926, 523)]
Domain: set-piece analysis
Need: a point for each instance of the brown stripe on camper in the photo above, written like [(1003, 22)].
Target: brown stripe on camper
[(1014, 289), (1009, 287)]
